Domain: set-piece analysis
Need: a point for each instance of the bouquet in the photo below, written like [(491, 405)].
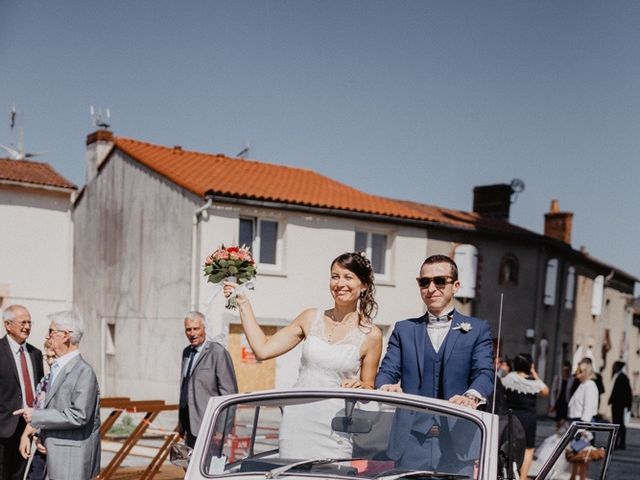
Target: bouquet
[(234, 264)]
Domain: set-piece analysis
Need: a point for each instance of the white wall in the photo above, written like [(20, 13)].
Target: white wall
[(36, 248), (311, 242)]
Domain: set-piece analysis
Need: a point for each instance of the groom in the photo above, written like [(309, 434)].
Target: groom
[(442, 354)]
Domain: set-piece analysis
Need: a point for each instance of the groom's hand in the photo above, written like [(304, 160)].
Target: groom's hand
[(395, 387), (465, 400)]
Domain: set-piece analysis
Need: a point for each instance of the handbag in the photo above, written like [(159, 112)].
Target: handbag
[(578, 444), (587, 454)]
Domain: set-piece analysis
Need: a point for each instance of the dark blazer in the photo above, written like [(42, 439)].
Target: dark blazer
[(10, 393), (467, 358), (621, 395), (212, 375)]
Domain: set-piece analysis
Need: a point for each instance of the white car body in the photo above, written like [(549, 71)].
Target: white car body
[(214, 455)]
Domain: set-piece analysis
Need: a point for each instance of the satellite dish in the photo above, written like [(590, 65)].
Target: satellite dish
[(517, 185)]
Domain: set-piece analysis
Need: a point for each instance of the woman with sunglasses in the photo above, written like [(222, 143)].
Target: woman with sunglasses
[(340, 347)]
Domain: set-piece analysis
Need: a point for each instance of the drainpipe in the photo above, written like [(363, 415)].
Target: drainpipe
[(194, 252)]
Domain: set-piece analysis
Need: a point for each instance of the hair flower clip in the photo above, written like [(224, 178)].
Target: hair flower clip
[(464, 327)]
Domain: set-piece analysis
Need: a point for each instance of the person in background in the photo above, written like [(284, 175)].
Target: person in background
[(38, 468), (522, 387), (21, 368), (621, 398), (583, 406), (207, 371), (503, 367), (574, 383), (69, 421), (559, 398)]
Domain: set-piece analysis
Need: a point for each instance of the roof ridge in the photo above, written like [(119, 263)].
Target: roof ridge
[(219, 155)]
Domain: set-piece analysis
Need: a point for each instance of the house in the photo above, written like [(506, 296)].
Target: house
[(36, 246), (150, 214)]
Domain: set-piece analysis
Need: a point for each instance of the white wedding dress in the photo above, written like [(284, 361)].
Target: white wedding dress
[(305, 430)]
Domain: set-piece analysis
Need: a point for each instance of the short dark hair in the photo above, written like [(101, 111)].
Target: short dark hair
[(618, 365), (443, 259), (522, 363)]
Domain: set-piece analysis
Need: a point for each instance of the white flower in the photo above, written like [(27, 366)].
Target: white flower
[(464, 327)]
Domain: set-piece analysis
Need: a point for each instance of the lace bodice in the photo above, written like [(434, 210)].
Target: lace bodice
[(325, 364)]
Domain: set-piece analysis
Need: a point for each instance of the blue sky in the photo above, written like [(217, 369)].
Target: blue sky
[(409, 99)]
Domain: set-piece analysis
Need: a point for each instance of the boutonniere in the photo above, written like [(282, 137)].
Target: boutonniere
[(464, 327)]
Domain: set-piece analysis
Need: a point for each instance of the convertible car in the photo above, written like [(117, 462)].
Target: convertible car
[(369, 434)]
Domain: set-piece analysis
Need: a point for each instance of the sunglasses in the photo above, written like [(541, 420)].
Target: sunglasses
[(440, 281)]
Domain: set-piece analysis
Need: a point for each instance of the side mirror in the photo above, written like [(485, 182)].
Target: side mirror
[(180, 454)]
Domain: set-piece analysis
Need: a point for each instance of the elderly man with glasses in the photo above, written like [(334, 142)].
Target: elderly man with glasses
[(69, 421), (441, 354), (21, 369)]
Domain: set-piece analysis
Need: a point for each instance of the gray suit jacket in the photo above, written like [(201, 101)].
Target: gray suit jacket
[(212, 375), (70, 423)]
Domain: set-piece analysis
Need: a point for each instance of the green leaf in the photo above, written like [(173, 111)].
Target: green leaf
[(233, 270), (217, 278)]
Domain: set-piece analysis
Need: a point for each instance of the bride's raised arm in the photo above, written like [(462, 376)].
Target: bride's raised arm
[(279, 343)]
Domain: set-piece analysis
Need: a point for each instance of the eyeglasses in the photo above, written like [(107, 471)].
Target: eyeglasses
[(52, 331), (25, 323), (440, 281)]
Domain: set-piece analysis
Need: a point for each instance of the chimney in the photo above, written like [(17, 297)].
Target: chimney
[(99, 145), (558, 224), (493, 201)]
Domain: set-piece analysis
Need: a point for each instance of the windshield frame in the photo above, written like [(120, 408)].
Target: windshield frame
[(397, 400), (569, 434)]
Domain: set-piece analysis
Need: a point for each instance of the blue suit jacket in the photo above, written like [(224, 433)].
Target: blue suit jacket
[(467, 358)]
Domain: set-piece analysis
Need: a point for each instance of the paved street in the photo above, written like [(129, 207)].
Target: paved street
[(625, 463)]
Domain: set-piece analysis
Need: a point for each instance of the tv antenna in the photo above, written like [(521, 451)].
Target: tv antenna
[(18, 153), (100, 119), (244, 153)]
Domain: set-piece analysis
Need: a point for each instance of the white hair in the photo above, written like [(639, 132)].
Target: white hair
[(195, 315), (9, 314), (69, 321)]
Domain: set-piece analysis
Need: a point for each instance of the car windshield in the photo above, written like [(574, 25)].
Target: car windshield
[(341, 437)]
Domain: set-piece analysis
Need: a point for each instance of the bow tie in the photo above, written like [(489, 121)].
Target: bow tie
[(432, 319)]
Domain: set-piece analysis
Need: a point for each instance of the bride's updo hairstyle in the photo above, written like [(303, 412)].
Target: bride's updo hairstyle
[(360, 265)]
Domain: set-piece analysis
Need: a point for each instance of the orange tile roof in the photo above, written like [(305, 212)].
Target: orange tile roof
[(235, 177), (34, 173)]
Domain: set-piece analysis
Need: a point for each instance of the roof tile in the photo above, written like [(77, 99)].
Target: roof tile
[(35, 173), (200, 173)]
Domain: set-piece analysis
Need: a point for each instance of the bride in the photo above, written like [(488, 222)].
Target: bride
[(341, 347)]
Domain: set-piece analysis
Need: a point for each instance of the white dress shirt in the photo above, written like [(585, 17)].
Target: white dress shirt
[(195, 359), (61, 362), (15, 350)]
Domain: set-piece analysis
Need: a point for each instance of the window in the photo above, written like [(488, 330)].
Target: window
[(508, 270), (466, 258), (262, 236), (571, 286), (550, 282), (375, 246)]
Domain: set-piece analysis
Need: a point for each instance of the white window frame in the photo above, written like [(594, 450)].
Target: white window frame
[(266, 268), (386, 276)]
